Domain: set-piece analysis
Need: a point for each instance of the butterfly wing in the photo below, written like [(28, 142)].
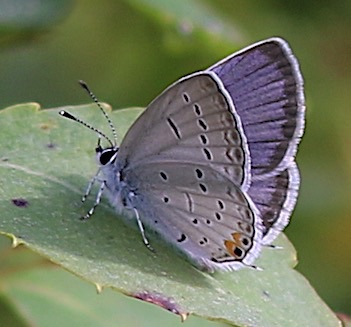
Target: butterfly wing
[(275, 197), (186, 161), (266, 86), (191, 121), (235, 129), (199, 211)]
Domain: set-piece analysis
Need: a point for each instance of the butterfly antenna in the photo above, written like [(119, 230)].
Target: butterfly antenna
[(92, 95), (74, 118)]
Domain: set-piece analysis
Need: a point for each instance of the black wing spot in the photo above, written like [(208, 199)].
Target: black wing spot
[(238, 252), (164, 176), (190, 201), (199, 173), (197, 109), (182, 238), (202, 124), (174, 128), (186, 97), (245, 241), (207, 153), (203, 139), (203, 187), (203, 241), (220, 204)]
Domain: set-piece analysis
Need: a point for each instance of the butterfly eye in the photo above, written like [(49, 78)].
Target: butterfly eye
[(107, 156)]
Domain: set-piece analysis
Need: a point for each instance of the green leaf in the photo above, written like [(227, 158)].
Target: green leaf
[(34, 292), (22, 21), (46, 162), (32, 14), (193, 19)]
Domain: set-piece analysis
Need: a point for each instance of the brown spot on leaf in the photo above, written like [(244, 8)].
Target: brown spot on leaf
[(20, 202), (162, 301)]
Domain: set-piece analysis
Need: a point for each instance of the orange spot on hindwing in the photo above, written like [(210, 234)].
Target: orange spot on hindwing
[(233, 246), (237, 238)]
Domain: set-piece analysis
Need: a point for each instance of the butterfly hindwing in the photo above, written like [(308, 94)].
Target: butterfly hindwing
[(204, 214), (275, 197)]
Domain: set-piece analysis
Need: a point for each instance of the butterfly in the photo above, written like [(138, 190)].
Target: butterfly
[(210, 164)]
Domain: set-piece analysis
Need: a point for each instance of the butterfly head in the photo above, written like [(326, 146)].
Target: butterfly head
[(106, 156)]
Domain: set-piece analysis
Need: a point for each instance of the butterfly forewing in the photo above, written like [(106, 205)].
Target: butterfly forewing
[(192, 121), (265, 84)]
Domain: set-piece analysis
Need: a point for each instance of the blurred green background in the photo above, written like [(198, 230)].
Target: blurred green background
[(129, 51)]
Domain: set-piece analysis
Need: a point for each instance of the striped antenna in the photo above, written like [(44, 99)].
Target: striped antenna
[(92, 95), (101, 134)]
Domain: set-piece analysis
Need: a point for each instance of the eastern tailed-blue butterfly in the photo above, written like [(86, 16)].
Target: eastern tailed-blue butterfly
[(210, 164)]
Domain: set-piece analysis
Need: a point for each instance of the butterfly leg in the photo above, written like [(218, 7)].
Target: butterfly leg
[(142, 231), (90, 185), (97, 200)]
